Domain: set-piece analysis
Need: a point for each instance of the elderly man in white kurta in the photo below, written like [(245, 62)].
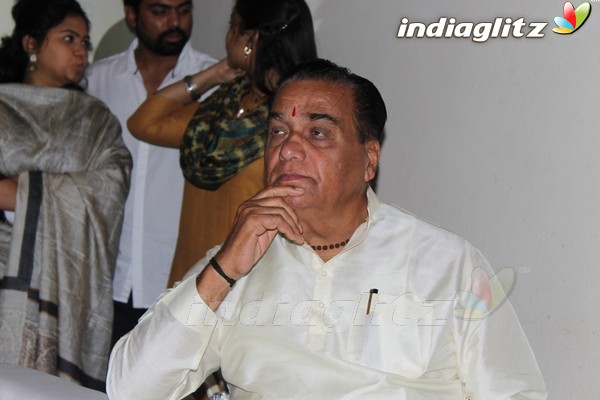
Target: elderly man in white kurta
[(321, 290)]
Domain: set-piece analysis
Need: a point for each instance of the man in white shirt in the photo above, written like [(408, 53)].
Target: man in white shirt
[(160, 55), (322, 291)]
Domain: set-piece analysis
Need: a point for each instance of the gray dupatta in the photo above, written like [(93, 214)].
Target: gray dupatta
[(58, 257)]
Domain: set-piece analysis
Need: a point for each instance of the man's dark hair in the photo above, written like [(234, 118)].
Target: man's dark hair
[(286, 35), (369, 108), (135, 4)]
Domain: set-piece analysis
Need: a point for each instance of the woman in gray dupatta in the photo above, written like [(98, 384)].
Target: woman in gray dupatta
[(64, 176)]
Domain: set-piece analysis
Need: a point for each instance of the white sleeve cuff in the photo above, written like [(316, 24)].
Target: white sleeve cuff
[(186, 305)]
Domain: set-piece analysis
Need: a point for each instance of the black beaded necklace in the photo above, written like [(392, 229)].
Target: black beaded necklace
[(331, 246)]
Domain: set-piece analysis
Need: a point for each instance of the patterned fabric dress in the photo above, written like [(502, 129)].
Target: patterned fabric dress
[(58, 257)]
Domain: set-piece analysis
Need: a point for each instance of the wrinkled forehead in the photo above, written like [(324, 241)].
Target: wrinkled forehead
[(314, 95)]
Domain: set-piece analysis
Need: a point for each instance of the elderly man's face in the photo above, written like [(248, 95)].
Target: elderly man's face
[(312, 144)]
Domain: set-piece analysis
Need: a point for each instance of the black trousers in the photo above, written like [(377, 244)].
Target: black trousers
[(125, 318)]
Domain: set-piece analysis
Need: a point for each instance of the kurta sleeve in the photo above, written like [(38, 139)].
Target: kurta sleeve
[(495, 358), (161, 121), (175, 338)]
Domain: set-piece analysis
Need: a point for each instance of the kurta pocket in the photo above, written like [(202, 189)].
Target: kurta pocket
[(396, 336)]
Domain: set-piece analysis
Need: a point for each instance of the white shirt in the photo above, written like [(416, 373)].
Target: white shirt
[(152, 210), (297, 328)]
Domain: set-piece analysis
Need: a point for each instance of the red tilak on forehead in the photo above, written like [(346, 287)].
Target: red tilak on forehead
[(294, 112)]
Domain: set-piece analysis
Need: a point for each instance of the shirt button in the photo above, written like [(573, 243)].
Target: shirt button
[(321, 305), (323, 273)]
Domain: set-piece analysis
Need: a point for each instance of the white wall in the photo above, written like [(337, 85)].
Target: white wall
[(495, 141), (6, 23)]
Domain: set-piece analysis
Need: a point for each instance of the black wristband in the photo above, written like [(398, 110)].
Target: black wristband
[(220, 271)]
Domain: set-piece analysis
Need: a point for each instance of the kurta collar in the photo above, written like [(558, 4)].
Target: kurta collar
[(361, 232), (373, 203)]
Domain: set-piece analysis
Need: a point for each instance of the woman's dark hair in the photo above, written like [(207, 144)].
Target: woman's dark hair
[(286, 35), (369, 108), (34, 18)]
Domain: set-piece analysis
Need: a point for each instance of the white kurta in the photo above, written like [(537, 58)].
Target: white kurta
[(297, 328)]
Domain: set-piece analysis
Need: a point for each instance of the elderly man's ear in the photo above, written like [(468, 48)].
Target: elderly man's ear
[(373, 150)]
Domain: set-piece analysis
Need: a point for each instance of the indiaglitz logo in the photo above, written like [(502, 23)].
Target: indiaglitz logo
[(498, 28), (486, 294), (573, 18), (481, 32)]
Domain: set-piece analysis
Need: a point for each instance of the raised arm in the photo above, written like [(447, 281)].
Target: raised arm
[(257, 222), (170, 353), (161, 119)]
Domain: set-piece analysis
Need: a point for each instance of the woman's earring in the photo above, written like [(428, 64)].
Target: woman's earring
[(32, 63), (247, 51)]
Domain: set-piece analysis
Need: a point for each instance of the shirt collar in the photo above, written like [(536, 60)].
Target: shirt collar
[(129, 65), (184, 59), (361, 232), (373, 203)]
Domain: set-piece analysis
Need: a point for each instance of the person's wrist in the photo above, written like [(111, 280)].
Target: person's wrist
[(191, 87), (216, 76), (222, 273), (211, 287)]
